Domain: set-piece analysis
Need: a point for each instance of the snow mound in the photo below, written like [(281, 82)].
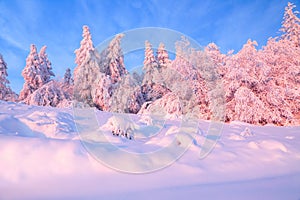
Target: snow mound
[(35, 121), (168, 106), (273, 145), (246, 133)]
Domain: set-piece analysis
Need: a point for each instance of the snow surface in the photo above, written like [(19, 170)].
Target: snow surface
[(42, 157)]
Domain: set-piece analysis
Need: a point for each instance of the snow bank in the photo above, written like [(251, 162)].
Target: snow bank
[(41, 157)]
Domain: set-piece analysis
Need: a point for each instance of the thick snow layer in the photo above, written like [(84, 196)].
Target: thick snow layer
[(42, 157)]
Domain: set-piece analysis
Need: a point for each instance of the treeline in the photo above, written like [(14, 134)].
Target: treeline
[(258, 86)]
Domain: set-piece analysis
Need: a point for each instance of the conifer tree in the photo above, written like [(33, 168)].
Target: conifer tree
[(5, 91), (291, 25), (87, 69), (162, 56), (36, 73)]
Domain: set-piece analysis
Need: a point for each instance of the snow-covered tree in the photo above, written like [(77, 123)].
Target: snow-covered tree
[(36, 73), (116, 59), (45, 68), (247, 107), (86, 45), (149, 55), (280, 89), (67, 85), (206, 85), (31, 74), (3, 74), (127, 97), (162, 56), (291, 25), (153, 91), (168, 106), (87, 69), (38, 88), (102, 92), (150, 66), (50, 94), (5, 91), (112, 60), (219, 59), (182, 63), (153, 86), (244, 69), (68, 80)]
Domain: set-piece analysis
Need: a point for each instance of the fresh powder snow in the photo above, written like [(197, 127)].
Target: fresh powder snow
[(42, 157)]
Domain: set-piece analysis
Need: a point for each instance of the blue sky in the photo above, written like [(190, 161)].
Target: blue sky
[(58, 24)]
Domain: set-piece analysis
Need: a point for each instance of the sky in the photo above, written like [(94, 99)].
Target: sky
[(58, 25)]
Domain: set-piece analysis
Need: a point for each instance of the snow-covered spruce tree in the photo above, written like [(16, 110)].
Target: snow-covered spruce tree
[(186, 86), (170, 106), (163, 69), (50, 94), (6, 93), (102, 92), (207, 101), (193, 68), (291, 25), (111, 72), (68, 80), (86, 45), (162, 56), (38, 88), (31, 74), (46, 68), (87, 69), (112, 60), (162, 85), (245, 71), (281, 68), (182, 63), (3, 77), (280, 90), (150, 65), (153, 86), (246, 106), (219, 59), (36, 73), (67, 85), (126, 97)]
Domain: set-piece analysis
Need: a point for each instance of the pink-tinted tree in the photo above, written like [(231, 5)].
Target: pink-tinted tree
[(86, 45), (68, 80), (102, 92), (246, 106), (218, 59), (5, 91), (281, 87), (150, 65), (36, 73), (291, 25), (162, 56), (153, 86), (112, 60), (115, 58), (244, 71), (50, 94), (87, 69), (45, 65), (126, 97)]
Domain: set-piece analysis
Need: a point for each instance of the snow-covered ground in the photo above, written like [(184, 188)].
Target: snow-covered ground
[(42, 157)]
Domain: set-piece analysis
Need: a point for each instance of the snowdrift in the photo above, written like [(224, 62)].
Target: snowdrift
[(42, 157)]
